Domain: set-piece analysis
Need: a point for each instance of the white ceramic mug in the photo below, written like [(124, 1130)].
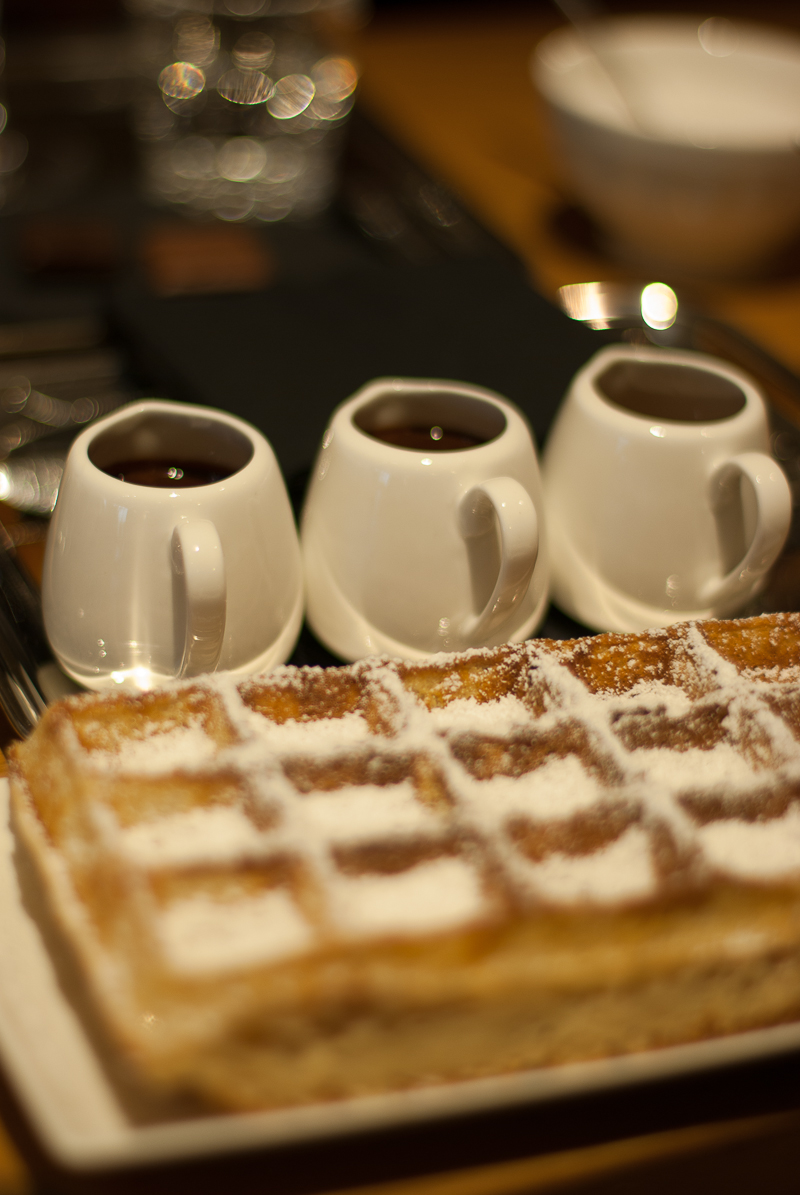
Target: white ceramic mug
[(147, 579), (414, 549), (663, 502)]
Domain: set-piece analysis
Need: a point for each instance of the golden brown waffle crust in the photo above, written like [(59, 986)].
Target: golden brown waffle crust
[(320, 883)]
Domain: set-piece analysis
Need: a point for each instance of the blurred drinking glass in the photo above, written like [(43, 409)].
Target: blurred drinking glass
[(241, 109)]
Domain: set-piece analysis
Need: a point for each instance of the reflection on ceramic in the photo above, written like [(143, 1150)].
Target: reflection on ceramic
[(704, 178), (663, 502), (189, 564), (433, 546)]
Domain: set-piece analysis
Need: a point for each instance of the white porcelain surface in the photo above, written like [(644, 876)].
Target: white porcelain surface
[(66, 1096), (652, 520), (709, 181), (410, 552), (142, 583)]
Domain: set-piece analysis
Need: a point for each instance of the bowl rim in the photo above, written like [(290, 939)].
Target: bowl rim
[(760, 41)]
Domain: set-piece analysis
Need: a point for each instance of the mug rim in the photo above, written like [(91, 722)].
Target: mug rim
[(344, 416), (584, 386), (83, 443)]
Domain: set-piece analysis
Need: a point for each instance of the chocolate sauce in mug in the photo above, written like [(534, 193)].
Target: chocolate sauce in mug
[(167, 474), (426, 438), (680, 393)]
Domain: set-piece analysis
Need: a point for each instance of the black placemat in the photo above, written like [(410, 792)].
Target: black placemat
[(283, 358)]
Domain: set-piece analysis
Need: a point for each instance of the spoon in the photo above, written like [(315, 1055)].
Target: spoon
[(583, 16)]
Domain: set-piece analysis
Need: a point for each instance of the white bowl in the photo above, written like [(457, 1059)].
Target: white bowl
[(693, 163)]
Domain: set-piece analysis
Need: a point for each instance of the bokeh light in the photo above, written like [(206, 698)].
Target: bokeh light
[(245, 86), (292, 95), (659, 306), (181, 81), (253, 51), (196, 40), (244, 123), (241, 159)]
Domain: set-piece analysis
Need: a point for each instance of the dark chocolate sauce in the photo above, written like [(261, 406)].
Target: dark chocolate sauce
[(673, 392), (425, 438), (167, 474)]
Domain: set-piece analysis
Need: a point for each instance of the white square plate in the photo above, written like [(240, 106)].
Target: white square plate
[(71, 1105)]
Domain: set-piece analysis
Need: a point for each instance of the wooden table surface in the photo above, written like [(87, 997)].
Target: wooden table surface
[(453, 89)]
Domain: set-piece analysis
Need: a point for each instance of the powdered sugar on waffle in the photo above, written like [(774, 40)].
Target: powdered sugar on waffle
[(198, 836), (428, 898), (562, 787), (451, 795), (364, 812), (619, 872), (465, 714), (329, 734), (754, 850), (180, 746), (201, 934)]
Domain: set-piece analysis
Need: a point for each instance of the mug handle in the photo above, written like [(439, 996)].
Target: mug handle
[(772, 518), (197, 557), (504, 500)]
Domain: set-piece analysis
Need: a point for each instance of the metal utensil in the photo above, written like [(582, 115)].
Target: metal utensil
[(29, 482), (583, 18), (29, 676), (67, 380)]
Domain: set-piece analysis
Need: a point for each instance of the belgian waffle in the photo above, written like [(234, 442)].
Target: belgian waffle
[(320, 883)]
